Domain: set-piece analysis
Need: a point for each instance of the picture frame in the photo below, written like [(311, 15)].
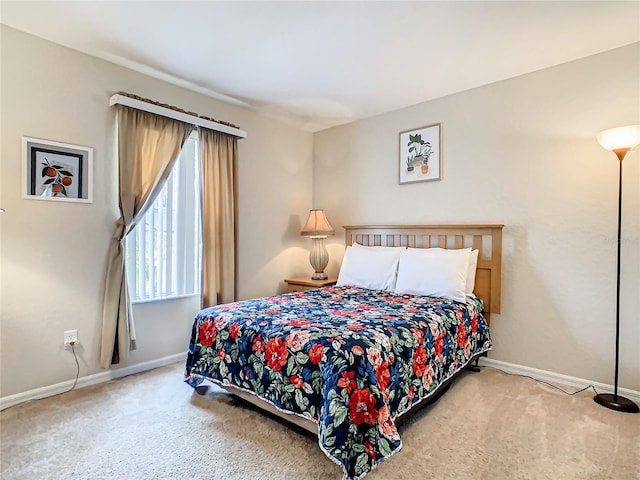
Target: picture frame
[(420, 158), (56, 171)]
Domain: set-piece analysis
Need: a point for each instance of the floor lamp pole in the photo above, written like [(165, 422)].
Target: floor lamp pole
[(616, 402), (615, 384)]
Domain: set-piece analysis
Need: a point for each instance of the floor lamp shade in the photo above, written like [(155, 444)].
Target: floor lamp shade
[(619, 140), (318, 228)]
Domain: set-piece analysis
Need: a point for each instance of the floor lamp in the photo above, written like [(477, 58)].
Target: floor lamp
[(619, 140)]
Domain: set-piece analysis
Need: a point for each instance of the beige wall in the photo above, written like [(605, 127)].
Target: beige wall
[(53, 254), (522, 152)]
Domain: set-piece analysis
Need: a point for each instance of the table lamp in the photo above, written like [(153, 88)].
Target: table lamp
[(318, 228)]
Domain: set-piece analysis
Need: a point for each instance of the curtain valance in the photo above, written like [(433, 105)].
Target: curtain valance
[(151, 106)]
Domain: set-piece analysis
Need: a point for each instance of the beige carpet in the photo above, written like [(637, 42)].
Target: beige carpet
[(153, 426)]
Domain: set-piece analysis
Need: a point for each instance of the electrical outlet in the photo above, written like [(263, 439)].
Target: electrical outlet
[(70, 336)]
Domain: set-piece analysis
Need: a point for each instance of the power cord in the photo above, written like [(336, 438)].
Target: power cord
[(75, 357), (75, 382), (542, 381)]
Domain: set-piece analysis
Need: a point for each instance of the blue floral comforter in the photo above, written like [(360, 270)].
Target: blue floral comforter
[(351, 360)]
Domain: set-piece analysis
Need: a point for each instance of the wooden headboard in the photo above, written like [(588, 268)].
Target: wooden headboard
[(486, 238)]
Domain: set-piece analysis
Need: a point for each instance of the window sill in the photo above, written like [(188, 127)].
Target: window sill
[(163, 299)]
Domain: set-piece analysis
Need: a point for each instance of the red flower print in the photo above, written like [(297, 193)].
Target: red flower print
[(347, 382), (397, 299), (229, 306), (410, 394), (207, 333), (369, 449), (297, 381), (461, 337), (373, 354), (382, 376), (357, 350), (418, 335), (315, 353), (258, 345), (276, 354), (345, 313), (474, 323), (467, 349), (222, 320), (299, 322), (356, 327), (427, 378), (419, 361), (439, 345), (387, 427), (362, 407), (233, 330), (297, 339), (222, 354)]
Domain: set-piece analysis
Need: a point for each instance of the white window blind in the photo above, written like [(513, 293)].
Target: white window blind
[(164, 251)]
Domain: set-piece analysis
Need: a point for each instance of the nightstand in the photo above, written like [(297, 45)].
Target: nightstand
[(307, 283)]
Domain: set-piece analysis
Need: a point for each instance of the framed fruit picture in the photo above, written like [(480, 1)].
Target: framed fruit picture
[(57, 171)]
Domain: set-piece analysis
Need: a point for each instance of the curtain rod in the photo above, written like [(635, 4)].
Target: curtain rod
[(123, 99)]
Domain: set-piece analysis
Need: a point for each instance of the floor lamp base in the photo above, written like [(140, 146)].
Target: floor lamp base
[(621, 404)]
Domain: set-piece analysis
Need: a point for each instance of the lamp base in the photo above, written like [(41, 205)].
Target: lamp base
[(319, 258), (621, 404)]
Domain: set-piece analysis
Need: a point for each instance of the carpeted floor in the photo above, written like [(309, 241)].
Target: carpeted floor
[(153, 426)]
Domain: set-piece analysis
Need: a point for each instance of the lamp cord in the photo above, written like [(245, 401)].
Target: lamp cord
[(75, 357), (75, 382), (542, 381)]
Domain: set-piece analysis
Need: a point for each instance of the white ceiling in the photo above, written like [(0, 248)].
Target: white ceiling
[(319, 64)]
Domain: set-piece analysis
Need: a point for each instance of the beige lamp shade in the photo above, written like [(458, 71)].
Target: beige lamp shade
[(317, 225), (620, 139)]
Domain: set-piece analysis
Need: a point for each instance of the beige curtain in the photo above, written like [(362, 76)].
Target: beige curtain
[(148, 146), (218, 153)]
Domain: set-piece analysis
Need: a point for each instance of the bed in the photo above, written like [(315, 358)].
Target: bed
[(350, 362)]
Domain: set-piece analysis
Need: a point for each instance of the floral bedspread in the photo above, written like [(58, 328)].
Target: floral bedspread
[(351, 360)]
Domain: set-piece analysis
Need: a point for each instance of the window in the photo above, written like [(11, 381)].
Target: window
[(164, 251)]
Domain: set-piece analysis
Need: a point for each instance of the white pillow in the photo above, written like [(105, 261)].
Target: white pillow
[(435, 272), (471, 273), (369, 268)]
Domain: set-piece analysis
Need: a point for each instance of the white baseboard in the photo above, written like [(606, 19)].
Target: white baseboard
[(558, 378), (551, 377), (94, 379)]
